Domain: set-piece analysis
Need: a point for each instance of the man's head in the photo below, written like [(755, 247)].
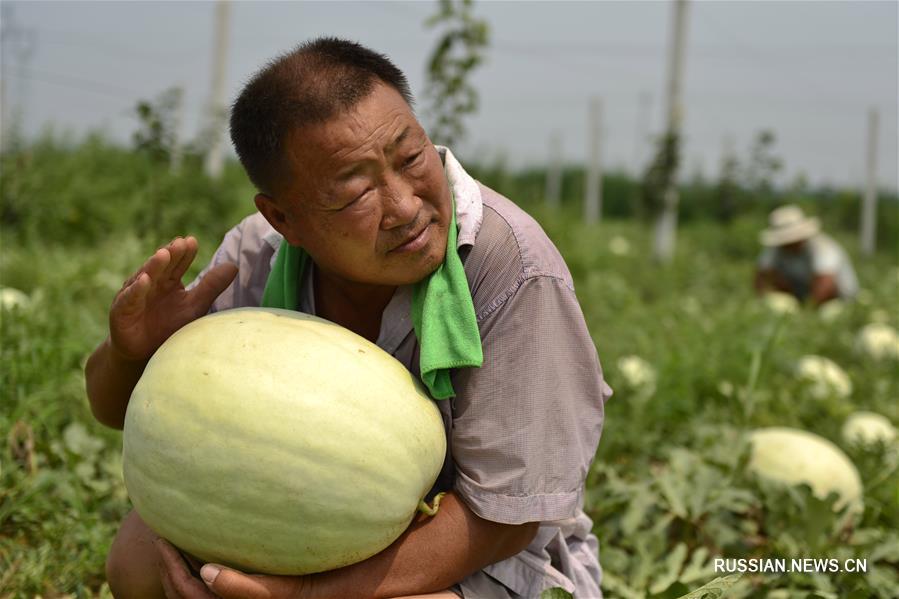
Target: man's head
[(344, 169), (308, 85), (789, 229)]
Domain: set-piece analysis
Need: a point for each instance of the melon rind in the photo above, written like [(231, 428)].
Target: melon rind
[(278, 442)]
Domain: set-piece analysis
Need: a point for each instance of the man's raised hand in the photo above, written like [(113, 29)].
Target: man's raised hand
[(153, 302)]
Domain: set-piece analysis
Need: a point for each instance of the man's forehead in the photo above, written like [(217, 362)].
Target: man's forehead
[(353, 159), (376, 125)]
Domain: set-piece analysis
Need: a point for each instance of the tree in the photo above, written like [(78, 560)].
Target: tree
[(157, 135), (659, 174), (458, 52), (763, 165), (727, 191)]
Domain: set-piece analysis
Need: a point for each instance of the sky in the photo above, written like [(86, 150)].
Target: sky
[(808, 71)]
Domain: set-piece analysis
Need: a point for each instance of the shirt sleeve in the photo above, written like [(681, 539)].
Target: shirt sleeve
[(527, 423), (251, 246), (826, 258)]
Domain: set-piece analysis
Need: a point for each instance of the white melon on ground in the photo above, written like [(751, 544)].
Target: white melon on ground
[(879, 341), (13, 298), (793, 457), (781, 303), (868, 428), (823, 377)]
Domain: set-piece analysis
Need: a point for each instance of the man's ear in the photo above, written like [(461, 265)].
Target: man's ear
[(276, 217)]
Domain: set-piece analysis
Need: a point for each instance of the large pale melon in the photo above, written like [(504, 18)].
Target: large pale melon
[(278, 442), (794, 456)]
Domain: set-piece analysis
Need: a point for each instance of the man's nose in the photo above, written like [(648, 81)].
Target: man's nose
[(401, 206)]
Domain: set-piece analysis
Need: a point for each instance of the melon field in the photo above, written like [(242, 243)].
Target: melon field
[(696, 360)]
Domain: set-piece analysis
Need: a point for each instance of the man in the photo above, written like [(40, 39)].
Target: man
[(351, 186), (800, 260)]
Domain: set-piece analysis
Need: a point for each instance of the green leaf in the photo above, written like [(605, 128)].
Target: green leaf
[(715, 589), (616, 587), (699, 568), (887, 551), (638, 509), (80, 442), (673, 566)]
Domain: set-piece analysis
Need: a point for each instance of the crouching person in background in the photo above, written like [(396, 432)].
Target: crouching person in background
[(801, 260)]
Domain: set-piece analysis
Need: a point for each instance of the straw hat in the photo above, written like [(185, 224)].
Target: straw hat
[(788, 224)]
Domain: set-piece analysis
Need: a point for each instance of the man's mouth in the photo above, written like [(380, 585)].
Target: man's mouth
[(414, 242)]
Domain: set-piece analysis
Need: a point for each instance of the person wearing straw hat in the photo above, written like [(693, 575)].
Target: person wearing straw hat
[(801, 260)]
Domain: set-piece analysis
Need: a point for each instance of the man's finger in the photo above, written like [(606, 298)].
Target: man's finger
[(157, 264), (176, 578), (152, 266), (211, 286), (133, 296), (231, 584), (185, 258), (176, 249)]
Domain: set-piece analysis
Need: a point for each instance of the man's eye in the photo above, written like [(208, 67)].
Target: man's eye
[(411, 160), (355, 199)]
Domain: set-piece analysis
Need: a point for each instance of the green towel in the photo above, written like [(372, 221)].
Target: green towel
[(442, 311)]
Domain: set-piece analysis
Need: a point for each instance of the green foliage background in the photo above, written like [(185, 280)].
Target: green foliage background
[(668, 492)]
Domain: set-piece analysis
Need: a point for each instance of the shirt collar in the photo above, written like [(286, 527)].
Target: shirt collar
[(467, 194)]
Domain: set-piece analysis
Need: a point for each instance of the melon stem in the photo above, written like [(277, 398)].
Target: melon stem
[(429, 510)]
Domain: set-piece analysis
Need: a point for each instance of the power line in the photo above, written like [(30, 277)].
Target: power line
[(79, 83), (19, 41), (111, 49)]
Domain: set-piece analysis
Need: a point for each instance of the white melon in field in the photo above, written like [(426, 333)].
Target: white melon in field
[(793, 456), (868, 428), (277, 442), (823, 378), (879, 341), (13, 298), (832, 310), (781, 303), (637, 372)]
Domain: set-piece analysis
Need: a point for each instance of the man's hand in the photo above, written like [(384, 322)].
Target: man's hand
[(153, 303), (217, 581), (769, 279), (824, 288)]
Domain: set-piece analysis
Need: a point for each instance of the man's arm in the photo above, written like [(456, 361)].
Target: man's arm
[(110, 378), (433, 554), (151, 305), (824, 288), (767, 279)]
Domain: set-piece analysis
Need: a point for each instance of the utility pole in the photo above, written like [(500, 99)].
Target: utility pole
[(666, 222), (593, 189), (554, 171), (868, 233), (215, 156)]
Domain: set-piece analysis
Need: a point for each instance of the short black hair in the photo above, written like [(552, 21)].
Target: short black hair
[(311, 84)]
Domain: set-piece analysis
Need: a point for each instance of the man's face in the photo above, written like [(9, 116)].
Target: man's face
[(369, 201), (794, 248)]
